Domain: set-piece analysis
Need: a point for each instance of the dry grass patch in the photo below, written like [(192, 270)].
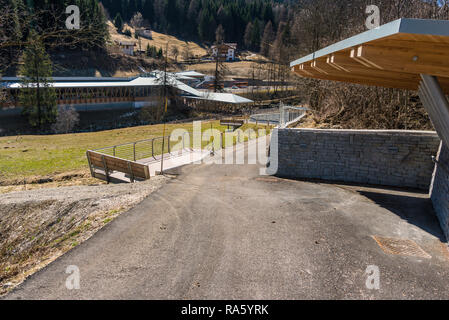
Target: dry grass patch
[(159, 40), (38, 226), (236, 69)]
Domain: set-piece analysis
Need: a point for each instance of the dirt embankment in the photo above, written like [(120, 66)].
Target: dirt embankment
[(38, 226)]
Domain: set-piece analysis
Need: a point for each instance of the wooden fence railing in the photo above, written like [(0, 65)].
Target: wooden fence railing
[(102, 165), (123, 158)]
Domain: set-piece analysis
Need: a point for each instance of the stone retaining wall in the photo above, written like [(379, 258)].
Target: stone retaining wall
[(381, 157)]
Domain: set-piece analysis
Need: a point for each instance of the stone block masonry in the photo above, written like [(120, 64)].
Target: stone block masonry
[(379, 157), (439, 192)]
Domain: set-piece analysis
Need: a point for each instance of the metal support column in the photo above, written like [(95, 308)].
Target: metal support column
[(436, 104)]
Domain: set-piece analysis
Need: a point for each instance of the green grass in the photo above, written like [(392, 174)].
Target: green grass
[(22, 157)]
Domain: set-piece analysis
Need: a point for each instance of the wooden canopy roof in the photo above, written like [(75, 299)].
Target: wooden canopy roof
[(393, 55)]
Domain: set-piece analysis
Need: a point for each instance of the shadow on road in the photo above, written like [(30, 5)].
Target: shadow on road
[(416, 210)]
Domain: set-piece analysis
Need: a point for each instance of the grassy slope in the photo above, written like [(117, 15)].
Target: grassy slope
[(240, 68), (237, 69), (28, 157), (159, 40)]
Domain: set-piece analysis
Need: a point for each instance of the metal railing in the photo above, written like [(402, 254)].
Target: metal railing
[(284, 117), (150, 148), (290, 114), (143, 149)]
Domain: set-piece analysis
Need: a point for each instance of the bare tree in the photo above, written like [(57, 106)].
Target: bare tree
[(187, 53), (174, 52), (137, 23), (66, 120), (220, 34), (137, 20)]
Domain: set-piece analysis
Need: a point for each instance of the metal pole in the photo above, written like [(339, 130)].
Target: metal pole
[(134, 151), (183, 142), (222, 140), (165, 107), (152, 148), (168, 140)]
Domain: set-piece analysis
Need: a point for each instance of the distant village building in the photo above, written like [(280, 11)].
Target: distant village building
[(225, 50), (126, 47), (146, 33)]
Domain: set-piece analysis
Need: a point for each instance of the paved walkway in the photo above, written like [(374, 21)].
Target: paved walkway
[(224, 232)]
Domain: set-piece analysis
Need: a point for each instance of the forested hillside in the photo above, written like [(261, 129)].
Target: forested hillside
[(48, 19), (253, 24), (243, 21)]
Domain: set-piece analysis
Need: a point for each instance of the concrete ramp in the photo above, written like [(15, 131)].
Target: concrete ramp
[(171, 160), (174, 160)]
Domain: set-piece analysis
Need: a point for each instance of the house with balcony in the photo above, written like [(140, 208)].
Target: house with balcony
[(226, 51), (126, 47)]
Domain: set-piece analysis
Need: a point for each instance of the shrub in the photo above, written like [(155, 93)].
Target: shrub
[(66, 120)]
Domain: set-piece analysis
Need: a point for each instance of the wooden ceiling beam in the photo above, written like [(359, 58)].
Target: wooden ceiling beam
[(419, 46), (404, 60), (360, 79), (350, 68), (345, 69), (388, 82), (343, 61), (297, 69), (322, 66)]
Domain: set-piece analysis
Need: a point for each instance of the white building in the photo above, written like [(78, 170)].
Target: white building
[(126, 47), (146, 33), (225, 50)]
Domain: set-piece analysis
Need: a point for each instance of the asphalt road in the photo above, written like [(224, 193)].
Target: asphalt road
[(224, 232)]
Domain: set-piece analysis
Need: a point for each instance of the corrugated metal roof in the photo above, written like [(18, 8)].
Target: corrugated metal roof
[(223, 97), (172, 80), (75, 79), (190, 74), (100, 84)]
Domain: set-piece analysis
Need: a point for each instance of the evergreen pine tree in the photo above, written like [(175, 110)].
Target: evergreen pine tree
[(248, 35), (37, 97), (118, 22), (255, 36)]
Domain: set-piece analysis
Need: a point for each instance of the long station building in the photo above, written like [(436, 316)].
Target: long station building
[(118, 95), (90, 93)]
